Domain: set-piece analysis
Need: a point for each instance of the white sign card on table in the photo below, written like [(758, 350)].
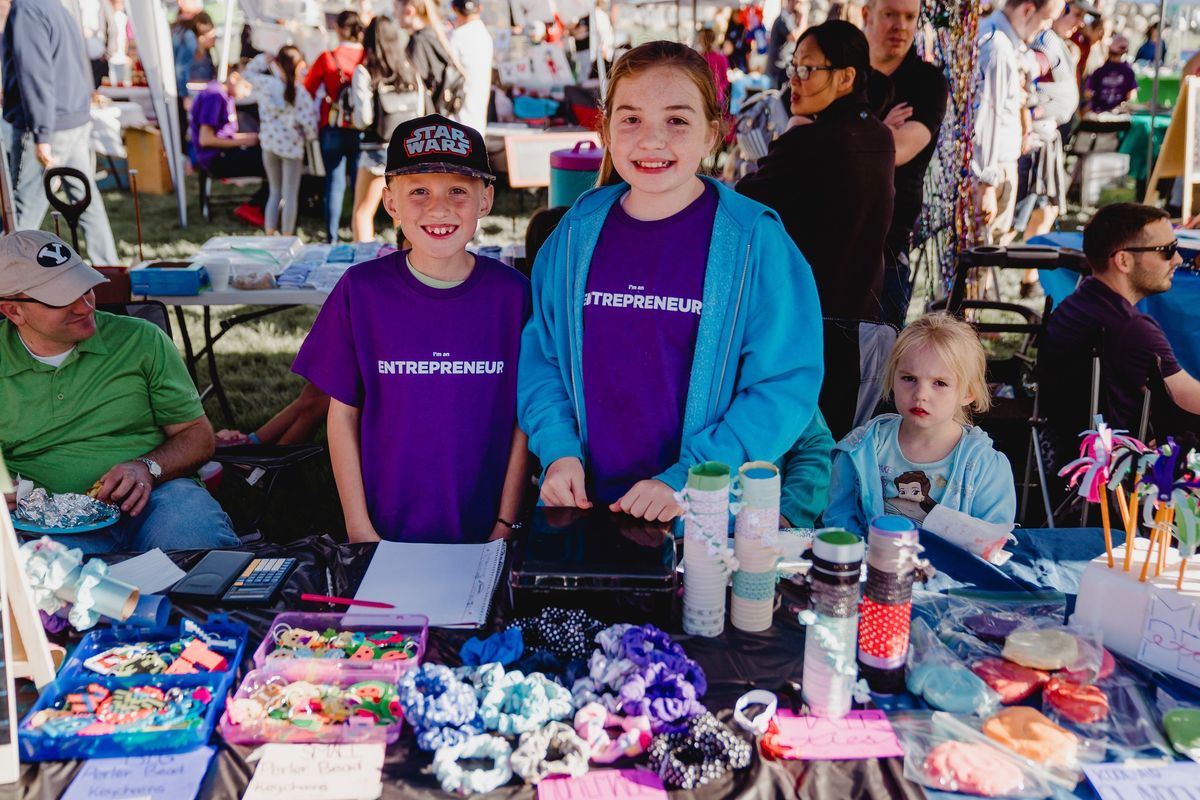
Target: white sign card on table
[(317, 772), (1171, 635), (1134, 781)]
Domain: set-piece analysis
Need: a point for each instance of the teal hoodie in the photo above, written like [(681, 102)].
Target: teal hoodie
[(757, 368), (980, 482)]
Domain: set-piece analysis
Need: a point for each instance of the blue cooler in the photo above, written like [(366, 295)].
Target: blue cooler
[(573, 172)]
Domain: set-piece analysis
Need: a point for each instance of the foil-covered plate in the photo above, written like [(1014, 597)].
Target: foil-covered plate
[(57, 514)]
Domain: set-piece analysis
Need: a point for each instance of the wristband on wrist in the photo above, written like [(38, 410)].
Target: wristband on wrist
[(253, 438), (512, 526)]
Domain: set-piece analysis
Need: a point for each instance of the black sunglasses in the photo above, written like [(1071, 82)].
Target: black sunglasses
[(1168, 250)]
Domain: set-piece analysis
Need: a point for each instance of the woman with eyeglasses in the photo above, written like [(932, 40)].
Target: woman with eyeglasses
[(830, 175)]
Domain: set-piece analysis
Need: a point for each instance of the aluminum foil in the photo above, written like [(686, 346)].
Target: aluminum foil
[(66, 510)]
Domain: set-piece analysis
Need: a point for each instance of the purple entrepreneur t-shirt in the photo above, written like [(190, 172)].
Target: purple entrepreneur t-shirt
[(1112, 82), (435, 374), (215, 108), (645, 291)]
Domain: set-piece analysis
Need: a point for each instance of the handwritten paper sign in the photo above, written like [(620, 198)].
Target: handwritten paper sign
[(1131, 781), (176, 777), (605, 784), (317, 772), (1171, 636), (860, 734)]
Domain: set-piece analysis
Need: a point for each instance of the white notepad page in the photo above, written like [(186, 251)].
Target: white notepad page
[(452, 584)]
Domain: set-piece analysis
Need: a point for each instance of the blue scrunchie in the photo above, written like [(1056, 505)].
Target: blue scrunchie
[(441, 708), (504, 647)]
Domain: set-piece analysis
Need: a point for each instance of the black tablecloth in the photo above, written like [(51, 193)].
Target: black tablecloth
[(734, 663)]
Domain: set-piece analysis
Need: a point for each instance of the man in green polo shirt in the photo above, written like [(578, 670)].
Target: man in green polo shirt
[(89, 398)]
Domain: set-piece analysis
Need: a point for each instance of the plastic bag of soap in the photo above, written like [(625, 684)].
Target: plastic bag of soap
[(1031, 735), (1114, 711), (941, 679), (944, 753), (1054, 647), (1181, 722)]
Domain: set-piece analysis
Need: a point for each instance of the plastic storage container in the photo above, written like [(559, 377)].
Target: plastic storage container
[(415, 625), (312, 727), (125, 740), (573, 172), (218, 626), (173, 278)]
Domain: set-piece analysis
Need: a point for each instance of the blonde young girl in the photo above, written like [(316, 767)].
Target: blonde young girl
[(667, 309), (928, 463)]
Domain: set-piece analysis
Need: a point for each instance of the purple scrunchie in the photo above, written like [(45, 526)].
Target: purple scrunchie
[(646, 645), (663, 694)]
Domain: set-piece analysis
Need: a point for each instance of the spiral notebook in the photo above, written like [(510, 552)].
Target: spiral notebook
[(452, 584)]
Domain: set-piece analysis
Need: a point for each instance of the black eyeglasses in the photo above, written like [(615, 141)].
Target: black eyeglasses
[(804, 72), (1168, 250)]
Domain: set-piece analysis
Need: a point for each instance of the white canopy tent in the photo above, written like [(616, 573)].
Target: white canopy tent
[(153, 36)]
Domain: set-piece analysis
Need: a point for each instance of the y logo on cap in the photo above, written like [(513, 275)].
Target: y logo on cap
[(53, 255)]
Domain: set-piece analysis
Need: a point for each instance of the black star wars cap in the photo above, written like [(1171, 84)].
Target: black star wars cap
[(434, 143)]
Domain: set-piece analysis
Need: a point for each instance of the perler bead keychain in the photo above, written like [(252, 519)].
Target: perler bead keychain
[(331, 643)]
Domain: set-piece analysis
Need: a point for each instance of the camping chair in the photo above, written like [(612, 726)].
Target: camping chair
[(1161, 417), (149, 310), (261, 466), (856, 352)]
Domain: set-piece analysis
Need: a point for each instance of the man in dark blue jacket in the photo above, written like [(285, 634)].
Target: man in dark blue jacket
[(47, 100)]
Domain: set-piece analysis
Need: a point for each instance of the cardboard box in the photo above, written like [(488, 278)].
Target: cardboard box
[(147, 156)]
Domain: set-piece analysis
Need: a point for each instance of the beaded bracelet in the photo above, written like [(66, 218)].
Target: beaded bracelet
[(442, 709), (592, 723), (454, 778), (553, 750), (517, 703), (701, 753)]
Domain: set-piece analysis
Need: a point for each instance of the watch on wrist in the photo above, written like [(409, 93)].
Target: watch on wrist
[(152, 465), (512, 526)]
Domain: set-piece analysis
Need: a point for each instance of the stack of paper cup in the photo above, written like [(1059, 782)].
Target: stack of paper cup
[(756, 540), (830, 643), (706, 553)]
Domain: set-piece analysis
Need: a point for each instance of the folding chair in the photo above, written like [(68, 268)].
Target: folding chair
[(856, 352), (263, 465)]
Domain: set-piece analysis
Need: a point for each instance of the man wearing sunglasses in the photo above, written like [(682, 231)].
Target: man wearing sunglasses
[(89, 399), (1133, 253)]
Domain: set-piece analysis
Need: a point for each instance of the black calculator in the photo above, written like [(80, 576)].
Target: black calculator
[(260, 581)]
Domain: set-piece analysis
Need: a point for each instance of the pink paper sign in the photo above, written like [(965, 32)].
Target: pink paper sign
[(604, 784), (860, 734)]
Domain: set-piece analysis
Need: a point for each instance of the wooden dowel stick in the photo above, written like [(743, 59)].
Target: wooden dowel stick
[(1130, 525), (1104, 520), (1159, 517)]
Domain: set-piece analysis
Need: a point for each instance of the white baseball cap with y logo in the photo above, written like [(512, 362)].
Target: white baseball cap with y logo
[(44, 267)]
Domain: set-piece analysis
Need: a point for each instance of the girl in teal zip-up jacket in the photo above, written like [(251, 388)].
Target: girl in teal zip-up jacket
[(756, 367)]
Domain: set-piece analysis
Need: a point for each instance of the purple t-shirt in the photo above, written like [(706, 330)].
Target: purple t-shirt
[(215, 108), (435, 374), (1112, 82), (645, 291)]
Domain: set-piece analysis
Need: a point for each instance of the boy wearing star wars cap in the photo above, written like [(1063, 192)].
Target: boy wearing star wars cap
[(92, 400), (418, 353)]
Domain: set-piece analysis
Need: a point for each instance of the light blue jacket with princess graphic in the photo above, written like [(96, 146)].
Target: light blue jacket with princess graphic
[(979, 482), (758, 364)]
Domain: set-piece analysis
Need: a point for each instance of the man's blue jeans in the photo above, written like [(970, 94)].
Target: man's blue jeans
[(70, 148), (180, 515)]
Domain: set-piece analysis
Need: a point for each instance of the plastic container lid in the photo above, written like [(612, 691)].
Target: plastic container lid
[(578, 159), (894, 525), (838, 546), (709, 476)]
